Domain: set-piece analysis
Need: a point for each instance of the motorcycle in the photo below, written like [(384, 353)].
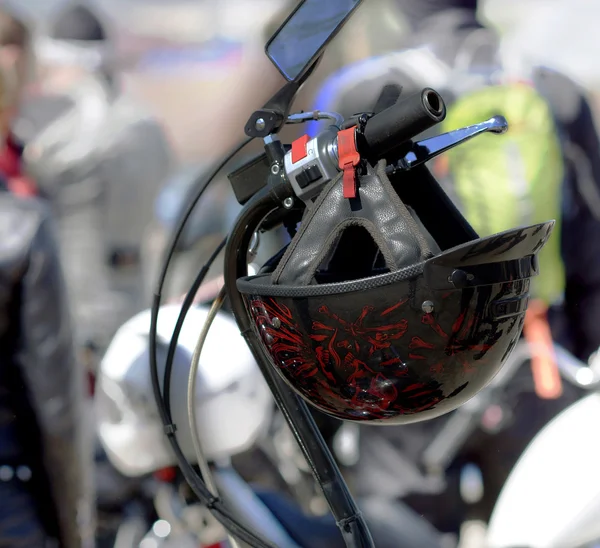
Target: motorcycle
[(275, 188), (552, 496), (428, 466)]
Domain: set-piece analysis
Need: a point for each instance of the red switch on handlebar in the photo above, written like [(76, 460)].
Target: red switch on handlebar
[(348, 160), (299, 151)]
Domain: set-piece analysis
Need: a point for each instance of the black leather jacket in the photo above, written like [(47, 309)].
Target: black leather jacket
[(43, 408)]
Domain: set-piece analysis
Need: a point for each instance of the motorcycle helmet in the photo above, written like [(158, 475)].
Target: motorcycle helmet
[(233, 403), (388, 307)]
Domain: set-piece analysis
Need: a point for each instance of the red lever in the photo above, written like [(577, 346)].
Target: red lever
[(348, 160)]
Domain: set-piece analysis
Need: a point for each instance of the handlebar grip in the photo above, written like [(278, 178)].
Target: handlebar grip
[(403, 121)]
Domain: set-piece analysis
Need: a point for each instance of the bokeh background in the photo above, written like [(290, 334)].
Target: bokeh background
[(185, 58), (198, 68)]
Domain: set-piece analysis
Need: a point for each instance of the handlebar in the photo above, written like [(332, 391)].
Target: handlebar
[(310, 163), (401, 122)]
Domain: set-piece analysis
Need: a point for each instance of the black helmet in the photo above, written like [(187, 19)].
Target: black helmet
[(392, 313)]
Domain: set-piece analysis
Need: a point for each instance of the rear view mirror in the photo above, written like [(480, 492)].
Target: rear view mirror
[(304, 34)]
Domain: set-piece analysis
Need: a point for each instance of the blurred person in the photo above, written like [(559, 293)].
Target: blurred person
[(101, 157), (45, 500), (17, 66)]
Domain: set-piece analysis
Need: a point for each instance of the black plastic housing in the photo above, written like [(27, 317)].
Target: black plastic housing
[(247, 180)]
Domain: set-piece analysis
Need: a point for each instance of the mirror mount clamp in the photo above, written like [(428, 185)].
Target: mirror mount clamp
[(272, 117)]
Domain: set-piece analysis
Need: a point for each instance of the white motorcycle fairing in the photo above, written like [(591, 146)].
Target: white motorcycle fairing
[(552, 497), (233, 403)]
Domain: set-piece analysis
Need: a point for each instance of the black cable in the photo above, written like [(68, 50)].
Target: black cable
[(187, 303), (168, 257), (195, 481)]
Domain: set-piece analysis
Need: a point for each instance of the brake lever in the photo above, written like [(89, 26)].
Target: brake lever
[(423, 151)]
